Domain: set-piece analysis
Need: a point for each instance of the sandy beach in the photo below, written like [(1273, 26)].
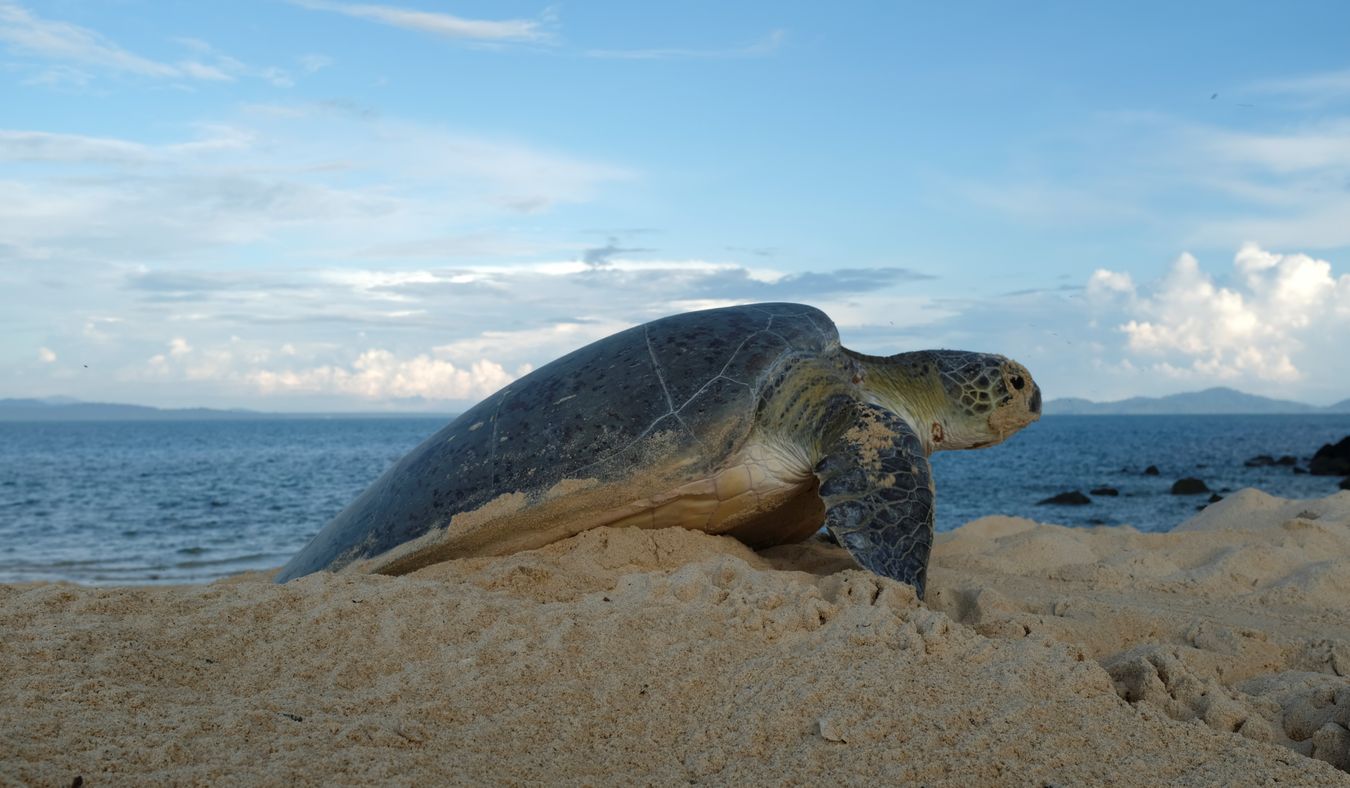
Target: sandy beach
[(1218, 653)]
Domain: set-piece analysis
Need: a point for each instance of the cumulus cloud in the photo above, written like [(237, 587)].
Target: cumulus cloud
[(258, 367), (453, 333), (379, 374), (46, 355), (1190, 324)]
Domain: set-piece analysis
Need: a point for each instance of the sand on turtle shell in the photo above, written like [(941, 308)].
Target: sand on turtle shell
[(1044, 655)]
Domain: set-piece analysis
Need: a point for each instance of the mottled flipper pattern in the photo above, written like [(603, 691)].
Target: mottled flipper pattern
[(878, 493)]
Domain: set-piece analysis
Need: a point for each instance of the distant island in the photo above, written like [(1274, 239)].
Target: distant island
[(66, 409), (1210, 401), (1218, 400)]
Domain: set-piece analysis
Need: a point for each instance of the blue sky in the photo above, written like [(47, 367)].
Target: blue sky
[(330, 205)]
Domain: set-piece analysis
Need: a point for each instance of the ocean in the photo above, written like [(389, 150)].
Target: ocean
[(191, 501)]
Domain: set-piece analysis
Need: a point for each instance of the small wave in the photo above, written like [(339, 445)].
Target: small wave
[(250, 559)]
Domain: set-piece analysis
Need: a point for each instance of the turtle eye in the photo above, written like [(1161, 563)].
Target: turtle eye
[(1018, 383)]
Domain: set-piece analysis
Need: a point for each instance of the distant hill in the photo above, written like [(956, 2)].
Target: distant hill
[(1215, 400), (64, 409), (1219, 400)]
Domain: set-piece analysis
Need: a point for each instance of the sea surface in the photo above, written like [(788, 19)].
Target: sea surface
[(155, 502)]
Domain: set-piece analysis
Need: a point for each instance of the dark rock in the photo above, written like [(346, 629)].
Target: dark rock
[(1105, 491), (1332, 460), (1215, 498), (1286, 459), (1345, 483), (1072, 498), (1189, 486), (1300, 470), (1152, 470), (1260, 461)]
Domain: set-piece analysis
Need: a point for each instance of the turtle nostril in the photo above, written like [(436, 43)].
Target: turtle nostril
[(1036, 400)]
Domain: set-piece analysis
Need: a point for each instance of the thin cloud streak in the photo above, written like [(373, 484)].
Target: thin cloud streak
[(329, 184), (66, 43), (441, 24), (25, 32), (763, 48), (1312, 89)]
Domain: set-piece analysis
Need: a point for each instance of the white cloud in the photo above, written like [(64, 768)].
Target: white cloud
[(1309, 88), (338, 181), (379, 375), (1106, 285), (1257, 325), (1326, 145), (203, 335), (42, 146), (1281, 181), (314, 62), (766, 46), (25, 32), (441, 24), (97, 328), (46, 356), (244, 368), (544, 342), (202, 71), (66, 43)]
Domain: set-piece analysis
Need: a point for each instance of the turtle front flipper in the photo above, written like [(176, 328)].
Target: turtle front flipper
[(878, 493)]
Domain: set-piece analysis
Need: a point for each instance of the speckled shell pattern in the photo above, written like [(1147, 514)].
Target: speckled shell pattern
[(699, 376)]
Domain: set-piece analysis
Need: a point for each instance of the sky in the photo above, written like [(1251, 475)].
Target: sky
[(300, 205)]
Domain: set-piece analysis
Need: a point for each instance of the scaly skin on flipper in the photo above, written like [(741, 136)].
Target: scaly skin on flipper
[(878, 493)]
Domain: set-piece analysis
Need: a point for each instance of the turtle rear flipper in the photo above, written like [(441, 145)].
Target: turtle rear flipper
[(878, 492)]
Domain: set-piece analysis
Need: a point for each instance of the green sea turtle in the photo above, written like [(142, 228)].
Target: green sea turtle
[(750, 420)]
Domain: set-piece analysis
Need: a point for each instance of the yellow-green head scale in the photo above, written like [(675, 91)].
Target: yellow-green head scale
[(954, 399)]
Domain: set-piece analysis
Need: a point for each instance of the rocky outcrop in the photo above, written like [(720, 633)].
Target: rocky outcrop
[(1189, 486), (1071, 498), (1332, 460)]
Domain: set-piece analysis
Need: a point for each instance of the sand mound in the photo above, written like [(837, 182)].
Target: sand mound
[(664, 656), (1236, 619)]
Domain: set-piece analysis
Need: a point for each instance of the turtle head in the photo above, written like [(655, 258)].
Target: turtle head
[(957, 399)]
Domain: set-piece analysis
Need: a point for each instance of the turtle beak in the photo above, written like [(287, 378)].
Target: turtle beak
[(1035, 403)]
